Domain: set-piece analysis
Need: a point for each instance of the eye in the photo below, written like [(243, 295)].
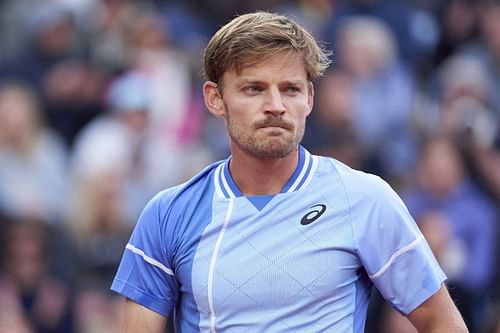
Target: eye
[(292, 90), (252, 90)]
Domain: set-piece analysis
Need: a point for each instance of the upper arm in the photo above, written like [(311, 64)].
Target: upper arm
[(438, 314), (146, 272), (392, 249), (137, 318)]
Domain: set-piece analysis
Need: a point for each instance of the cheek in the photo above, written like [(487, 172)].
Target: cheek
[(301, 112), (239, 111), (237, 118), (299, 104), (237, 122)]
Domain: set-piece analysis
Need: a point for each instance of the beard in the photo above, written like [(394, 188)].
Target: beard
[(266, 143)]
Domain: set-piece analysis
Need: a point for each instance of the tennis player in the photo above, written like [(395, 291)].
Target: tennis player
[(275, 239)]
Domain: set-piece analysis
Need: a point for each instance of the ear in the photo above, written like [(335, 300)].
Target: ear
[(213, 99), (310, 98)]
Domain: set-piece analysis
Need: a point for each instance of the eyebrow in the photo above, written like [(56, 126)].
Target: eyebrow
[(245, 81), (294, 82)]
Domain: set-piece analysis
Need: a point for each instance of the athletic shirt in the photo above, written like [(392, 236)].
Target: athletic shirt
[(303, 260)]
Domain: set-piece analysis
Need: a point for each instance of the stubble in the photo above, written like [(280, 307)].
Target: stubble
[(255, 140)]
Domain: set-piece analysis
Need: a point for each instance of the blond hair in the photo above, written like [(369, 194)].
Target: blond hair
[(251, 37)]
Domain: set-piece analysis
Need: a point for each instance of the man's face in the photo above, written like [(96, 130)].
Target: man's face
[(266, 105)]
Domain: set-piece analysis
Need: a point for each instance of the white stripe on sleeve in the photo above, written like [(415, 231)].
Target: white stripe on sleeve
[(396, 254), (148, 259)]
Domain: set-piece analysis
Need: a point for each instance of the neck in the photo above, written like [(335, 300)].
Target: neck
[(261, 175)]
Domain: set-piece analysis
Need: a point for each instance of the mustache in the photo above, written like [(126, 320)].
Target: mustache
[(273, 122)]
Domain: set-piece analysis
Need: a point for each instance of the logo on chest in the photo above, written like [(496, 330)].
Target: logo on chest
[(313, 215)]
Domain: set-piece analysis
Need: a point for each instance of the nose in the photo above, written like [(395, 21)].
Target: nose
[(274, 102)]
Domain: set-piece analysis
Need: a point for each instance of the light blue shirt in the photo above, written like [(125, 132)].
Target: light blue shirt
[(303, 260)]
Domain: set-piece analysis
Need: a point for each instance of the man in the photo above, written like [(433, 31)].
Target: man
[(274, 239)]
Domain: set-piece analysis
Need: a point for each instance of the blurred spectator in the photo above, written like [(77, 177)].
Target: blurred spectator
[(459, 222), (72, 91), (330, 128), (118, 164), (32, 295), (383, 94), (190, 25), (485, 158), (98, 225), (53, 62), (174, 113), (33, 159), (51, 38), (459, 25), (486, 48), (107, 29), (124, 142), (463, 109), (415, 30), (106, 191), (35, 30), (468, 116), (315, 15), (140, 42), (466, 108)]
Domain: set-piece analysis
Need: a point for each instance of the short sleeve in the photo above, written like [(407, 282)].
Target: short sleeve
[(145, 274), (392, 249)]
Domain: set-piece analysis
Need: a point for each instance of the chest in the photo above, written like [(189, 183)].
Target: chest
[(290, 253)]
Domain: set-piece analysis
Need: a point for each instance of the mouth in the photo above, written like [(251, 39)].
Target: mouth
[(274, 127), (275, 124)]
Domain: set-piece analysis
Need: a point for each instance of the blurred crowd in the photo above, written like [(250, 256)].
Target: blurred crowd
[(101, 107)]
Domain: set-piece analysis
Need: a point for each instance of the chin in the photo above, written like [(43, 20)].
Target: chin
[(266, 146), (274, 149)]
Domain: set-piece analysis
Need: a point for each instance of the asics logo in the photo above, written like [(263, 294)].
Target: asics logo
[(313, 215)]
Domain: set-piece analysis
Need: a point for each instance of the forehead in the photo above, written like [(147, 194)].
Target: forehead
[(277, 67)]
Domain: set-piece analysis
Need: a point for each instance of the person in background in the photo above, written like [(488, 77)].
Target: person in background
[(460, 223), (330, 129), (33, 297), (33, 158), (367, 50), (117, 164), (53, 61)]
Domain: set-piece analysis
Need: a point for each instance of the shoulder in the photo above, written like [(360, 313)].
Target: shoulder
[(356, 183), (185, 194)]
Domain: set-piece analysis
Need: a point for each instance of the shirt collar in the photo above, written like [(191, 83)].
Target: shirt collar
[(306, 167)]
